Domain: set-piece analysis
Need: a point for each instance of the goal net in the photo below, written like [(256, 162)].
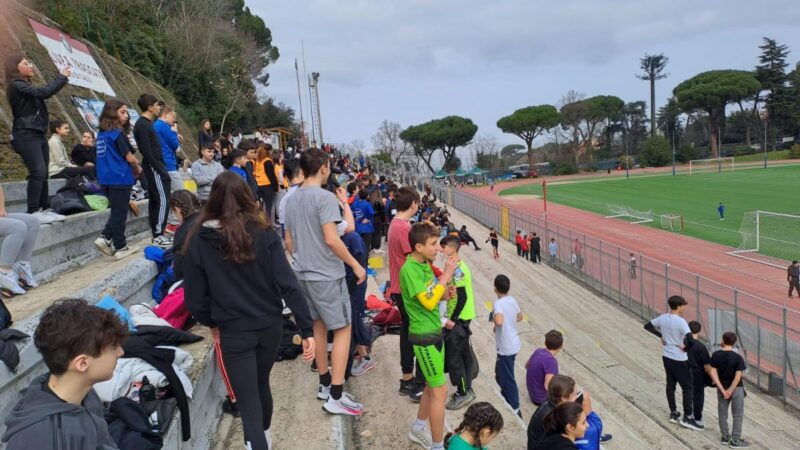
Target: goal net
[(711, 165), (672, 222), (771, 234), (635, 216)]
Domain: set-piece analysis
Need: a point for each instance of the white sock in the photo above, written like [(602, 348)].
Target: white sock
[(419, 424), (437, 446), (269, 439)]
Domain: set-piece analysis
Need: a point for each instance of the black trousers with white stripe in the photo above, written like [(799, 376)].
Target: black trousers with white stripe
[(158, 190)]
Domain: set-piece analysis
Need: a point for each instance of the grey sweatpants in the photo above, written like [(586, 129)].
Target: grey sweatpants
[(19, 233), (736, 403), (175, 184)]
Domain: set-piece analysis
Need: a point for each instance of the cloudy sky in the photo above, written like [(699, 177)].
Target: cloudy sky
[(411, 61)]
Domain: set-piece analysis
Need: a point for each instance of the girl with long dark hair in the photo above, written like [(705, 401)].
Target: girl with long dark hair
[(234, 243), (206, 135), (117, 170), (31, 121)]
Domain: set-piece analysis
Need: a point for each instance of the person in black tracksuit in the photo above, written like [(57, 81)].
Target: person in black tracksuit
[(158, 180), (31, 120), (233, 243), (536, 249)]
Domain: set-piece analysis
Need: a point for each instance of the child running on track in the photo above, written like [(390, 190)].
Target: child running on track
[(495, 242), (460, 312), (421, 295), (482, 423)]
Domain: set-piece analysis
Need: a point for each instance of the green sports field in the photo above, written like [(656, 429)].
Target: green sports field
[(695, 197)]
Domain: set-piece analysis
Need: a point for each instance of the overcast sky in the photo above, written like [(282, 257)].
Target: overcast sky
[(411, 61)]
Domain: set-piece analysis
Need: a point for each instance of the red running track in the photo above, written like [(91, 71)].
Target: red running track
[(692, 255)]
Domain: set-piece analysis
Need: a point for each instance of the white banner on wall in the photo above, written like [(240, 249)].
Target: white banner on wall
[(68, 52)]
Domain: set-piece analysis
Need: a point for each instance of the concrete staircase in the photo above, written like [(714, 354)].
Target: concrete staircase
[(67, 265)]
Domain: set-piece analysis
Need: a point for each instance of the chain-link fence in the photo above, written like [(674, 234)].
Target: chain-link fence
[(769, 333)]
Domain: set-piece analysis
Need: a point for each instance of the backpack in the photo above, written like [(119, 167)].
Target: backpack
[(386, 321), (68, 201), (173, 309)]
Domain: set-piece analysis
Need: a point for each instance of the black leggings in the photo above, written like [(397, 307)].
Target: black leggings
[(406, 349), (32, 147), (76, 171), (248, 357), (267, 196)]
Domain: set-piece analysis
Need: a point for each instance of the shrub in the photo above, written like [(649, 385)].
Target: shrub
[(687, 153), (656, 152), (626, 162), (794, 152), (743, 150), (565, 169)]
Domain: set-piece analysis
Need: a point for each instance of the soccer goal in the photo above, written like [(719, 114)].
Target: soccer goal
[(672, 222), (712, 165), (770, 234), (620, 211)]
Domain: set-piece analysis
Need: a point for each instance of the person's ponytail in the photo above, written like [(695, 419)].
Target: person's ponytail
[(567, 413)]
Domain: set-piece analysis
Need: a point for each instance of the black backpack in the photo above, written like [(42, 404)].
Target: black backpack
[(288, 349), (69, 199)]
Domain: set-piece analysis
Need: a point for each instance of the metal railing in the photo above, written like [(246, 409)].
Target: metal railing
[(769, 336)]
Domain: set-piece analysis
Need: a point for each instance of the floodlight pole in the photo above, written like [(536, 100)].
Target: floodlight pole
[(673, 153), (764, 116)]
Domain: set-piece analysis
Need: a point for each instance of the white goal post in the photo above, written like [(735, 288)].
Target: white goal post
[(617, 211), (672, 222), (771, 234), (726, 164)]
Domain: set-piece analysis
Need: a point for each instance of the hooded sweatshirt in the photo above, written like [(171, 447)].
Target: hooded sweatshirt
[(245, 296), (42, 421)]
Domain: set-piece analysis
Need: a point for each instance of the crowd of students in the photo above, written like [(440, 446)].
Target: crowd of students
[(254, 204)]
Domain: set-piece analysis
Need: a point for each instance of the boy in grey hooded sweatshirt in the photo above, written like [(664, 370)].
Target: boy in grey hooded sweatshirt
[(60, 410)]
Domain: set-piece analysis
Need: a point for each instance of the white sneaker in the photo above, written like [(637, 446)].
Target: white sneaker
[(346, 405), (104, 245), (268, 435), (9, 284), (124, 252), (43, 217), (56, 217), (323, 392), (25, 274), (421, 436), (362, 366), (162, 241)]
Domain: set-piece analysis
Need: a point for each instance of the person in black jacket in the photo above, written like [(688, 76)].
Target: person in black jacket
[(31, 120), (85, 153), (153, 168), (565, 424), (235, 274)]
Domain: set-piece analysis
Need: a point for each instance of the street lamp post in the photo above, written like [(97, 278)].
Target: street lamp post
[(764, 119), (673, 152)]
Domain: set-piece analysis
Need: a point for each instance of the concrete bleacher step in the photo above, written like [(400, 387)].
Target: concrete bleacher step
[(62, 246), (67, 265)]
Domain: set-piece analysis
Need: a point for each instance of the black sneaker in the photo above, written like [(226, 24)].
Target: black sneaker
[(674, 416), (688, 422), (314, 366), (416, 394), (739, 443), (606, 438), (406, 386), (725, 440), (229, 407)]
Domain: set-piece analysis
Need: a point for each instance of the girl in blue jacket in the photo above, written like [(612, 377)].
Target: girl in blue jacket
[(117, 170)]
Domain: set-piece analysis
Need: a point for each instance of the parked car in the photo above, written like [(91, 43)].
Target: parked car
[(525, 173)]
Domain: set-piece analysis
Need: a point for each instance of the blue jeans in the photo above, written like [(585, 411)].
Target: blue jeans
[(504, 375)]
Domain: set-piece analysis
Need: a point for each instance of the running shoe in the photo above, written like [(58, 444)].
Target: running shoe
[(459, 401), (54, 215), (606, 438), (739, 443), (421, 436), (9, 284), (323, 392), (43, 217), (346, 405), (25, 275), (162, 241), (362, 366), (104, 245), (314, 366), (124, 252), (688, 422), (674, 416), (416, 394), (726, 440), (407, 387)]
